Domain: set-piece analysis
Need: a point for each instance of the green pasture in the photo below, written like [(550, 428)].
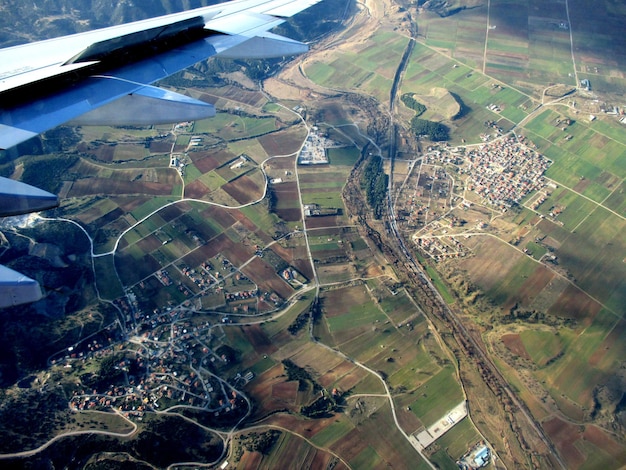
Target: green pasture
[(236, 339), (332, 246), (319, 72), (332, 433), (414, 371), (617, 200), (358, 244), (594, 254), (191, 173), (107, 281), (398, 307), (212, 180), (427, 69), (343, 156), (263, 364), (371, 68), (573, 374), (541, 345), (589, 159), (437, 396), (355, 317), (151, 206), (260, 217), (370, 343), (536, 250), (367, 458), (436, 279), (443, 461), (282, 322), (575, 212), (328, 200), (459, 439), (512, 281)]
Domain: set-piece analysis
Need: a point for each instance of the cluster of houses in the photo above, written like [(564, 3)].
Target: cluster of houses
[(504, 171), (439, 247), (171, 366)]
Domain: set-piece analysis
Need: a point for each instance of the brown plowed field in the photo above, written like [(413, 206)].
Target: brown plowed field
[(281, 143), (286, 392), (94, 186), (326, 221), (243, 220), (243, 190), (149, 244), (513, 343), (215, 246), (573, 303), (160, 146), (266, 278), (339, 301), (196, 190), (532, 286), (564, 435), (220, 215), (259, 340), (601, 440), (237, 253), (207, 161), (131, 270), (289, 215), (170, 213)]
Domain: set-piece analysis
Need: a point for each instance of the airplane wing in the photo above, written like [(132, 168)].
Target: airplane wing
[(104, 77), (79, 78)]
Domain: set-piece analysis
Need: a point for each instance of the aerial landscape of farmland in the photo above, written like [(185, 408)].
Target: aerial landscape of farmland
[(401, 248)]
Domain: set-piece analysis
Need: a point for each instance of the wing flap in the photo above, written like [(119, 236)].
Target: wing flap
[(264, 46), (17, 289), (146, 106), (21, 198)]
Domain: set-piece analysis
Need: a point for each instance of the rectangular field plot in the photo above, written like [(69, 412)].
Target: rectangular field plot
[(586, 358), (588, 162), (437, 396), (459, 439)]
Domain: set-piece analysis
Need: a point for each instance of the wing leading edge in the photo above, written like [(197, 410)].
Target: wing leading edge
[(104, 77)]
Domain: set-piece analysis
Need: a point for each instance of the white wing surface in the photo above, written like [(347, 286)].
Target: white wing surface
[(104, 77), (47, 83)]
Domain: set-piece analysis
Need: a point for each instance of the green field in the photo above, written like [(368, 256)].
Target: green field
[(437, 396)]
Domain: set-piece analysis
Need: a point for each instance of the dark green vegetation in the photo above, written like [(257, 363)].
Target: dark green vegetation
[(295, 372), (375, 182), (412, 103), (46, 172), (163, 441), (435, 131), (259, 442)]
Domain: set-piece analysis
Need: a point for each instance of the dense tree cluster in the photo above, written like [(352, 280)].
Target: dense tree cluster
[(435, 131), (374, 181), (260, 442), (48, 172), (295, 372), (412, 103)]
